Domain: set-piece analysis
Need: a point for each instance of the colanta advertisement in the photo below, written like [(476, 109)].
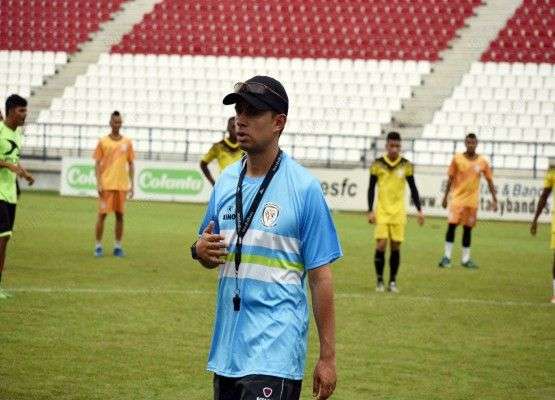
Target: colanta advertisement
[(345, 189), (153, 180)]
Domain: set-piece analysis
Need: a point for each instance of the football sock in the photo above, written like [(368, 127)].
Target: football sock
[(465, 254), (379, 262), (467, 236), (448, 249), (553, 284), (450, 235), (394, 260), (117, 245), (98, 244)]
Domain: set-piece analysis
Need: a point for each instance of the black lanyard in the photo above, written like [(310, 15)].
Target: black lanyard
[(242, 225)]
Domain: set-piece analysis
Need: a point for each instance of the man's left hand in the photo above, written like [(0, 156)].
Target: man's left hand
[(325, 379), (420, 218), (130, 193), (494, 206)]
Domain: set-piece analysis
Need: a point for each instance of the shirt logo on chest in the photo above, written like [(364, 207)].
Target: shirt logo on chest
[(270, 214)]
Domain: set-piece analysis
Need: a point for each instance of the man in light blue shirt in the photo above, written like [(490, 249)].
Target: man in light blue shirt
[(267, 227)]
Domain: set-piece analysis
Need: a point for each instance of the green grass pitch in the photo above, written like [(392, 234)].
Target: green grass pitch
[(139, 327)]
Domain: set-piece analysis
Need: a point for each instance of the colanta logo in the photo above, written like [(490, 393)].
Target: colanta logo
[(81, 177), (171, 181)]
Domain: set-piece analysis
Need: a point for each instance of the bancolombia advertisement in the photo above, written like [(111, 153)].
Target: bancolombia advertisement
[(344, 189)]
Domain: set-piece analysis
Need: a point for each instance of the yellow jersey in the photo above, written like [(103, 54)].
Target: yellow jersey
[(114, 157), (391, 175), (549, 183), (225, 152), (466, 175)]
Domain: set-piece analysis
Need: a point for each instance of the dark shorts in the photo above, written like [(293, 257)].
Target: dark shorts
[(256, 387), (7, 218)]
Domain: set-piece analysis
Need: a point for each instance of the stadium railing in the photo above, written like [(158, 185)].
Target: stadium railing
[(321, 150)]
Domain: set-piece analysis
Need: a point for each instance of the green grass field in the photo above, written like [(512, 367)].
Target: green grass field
[(139, 328)]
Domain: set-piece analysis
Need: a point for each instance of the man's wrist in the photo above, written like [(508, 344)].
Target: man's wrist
[(194, 253)]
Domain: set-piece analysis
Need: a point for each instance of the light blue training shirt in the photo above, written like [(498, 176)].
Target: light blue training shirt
[(291, 233)]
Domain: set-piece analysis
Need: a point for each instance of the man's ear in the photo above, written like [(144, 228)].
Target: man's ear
[(279, 122)]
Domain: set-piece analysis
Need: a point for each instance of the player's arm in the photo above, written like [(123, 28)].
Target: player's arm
[(541, 205), (447, 190), (371, 193), (98, 174), (206, 171), (15, 168), (26, 175), (132, 178), (415, 198), (321, 287)]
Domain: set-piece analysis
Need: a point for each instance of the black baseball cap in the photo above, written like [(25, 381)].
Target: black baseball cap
[(265, 94)]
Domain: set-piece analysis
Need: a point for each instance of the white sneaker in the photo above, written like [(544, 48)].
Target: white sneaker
[(392, 287), (380, 287), (4, 295)]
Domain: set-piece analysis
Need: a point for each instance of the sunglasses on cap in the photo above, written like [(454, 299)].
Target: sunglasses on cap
[(255, 88)]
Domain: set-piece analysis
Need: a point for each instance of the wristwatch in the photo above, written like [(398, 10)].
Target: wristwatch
[(194, 254)]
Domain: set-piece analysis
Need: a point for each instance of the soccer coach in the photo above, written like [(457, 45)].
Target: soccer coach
[(267, 227)]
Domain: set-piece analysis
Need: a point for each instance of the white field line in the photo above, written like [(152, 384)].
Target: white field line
[(76, 290)]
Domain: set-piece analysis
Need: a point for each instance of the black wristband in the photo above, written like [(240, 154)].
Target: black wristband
[(194, 254)]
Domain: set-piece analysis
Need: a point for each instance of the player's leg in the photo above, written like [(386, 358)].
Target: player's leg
[(118, 250), (553, 249), (394, 262), (3, 246), (119, 209), (225, 388), (469, 220), (445, 261), (397, 235), (7, 218), (553, 298), (381, 234), (99, 231)]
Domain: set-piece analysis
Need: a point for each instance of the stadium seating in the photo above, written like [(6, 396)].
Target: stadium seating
[(51, 25), (21, 71), (334, 97), (509, 97), (379, 29), (347, 66), (528, 37)]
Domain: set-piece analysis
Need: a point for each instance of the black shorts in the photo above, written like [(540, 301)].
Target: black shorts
[(253, 387), (7, 218)]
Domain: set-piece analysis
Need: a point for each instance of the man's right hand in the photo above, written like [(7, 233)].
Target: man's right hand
[(99, 189), (371, 217), (444, 202), (211, 247), (534, 228)]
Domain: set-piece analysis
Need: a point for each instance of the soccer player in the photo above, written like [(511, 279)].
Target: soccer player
[(268, 229), (549, 185), (114, 167), (389, 173), (10, 169), (226, 152), (464, 185)]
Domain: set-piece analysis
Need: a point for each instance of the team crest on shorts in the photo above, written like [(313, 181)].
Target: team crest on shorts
[(267, 391), (270, 214)]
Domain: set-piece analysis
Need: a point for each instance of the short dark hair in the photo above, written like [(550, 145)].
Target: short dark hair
[(393, 136), (116, 113), (471, 136), (15, 101)]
